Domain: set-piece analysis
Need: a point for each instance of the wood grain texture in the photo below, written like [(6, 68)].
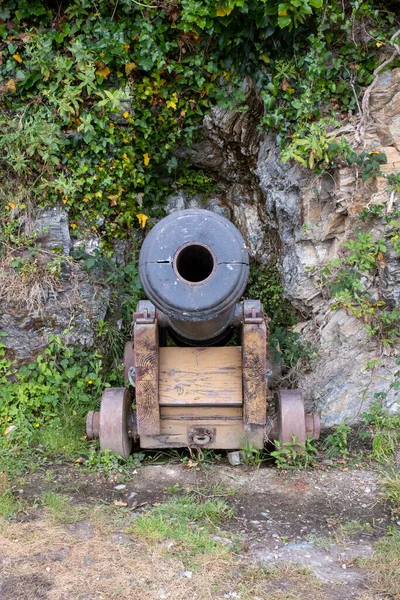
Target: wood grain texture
[(146, 368), (254, 349), (201, 376), (230, 435), (202, 413)]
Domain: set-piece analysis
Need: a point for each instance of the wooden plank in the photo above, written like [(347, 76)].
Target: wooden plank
[(146, 368), (254, 350), (200, 376), (230, 435), (196, 412)]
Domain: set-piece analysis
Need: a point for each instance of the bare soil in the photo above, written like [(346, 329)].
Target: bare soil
[(294, 535)]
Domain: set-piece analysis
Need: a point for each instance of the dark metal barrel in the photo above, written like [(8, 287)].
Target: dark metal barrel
[(194, 267)]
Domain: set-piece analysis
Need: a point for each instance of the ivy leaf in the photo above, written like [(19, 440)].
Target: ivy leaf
[(146, 159)]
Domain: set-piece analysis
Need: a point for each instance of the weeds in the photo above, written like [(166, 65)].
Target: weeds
[(251, 456), (384, 428), (112, 465), (292, 455), (335, 444)]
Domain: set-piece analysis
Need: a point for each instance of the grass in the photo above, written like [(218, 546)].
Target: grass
[(390, 489), (384, 568), (188, 522), (9, 507), (279, 582), (60, 510)]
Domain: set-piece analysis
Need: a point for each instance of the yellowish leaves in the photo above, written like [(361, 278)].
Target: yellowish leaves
[(282, 13), (266, 59), (146, 159), (10, 86), (17, 57), (379, 44), (120, 503), (173, 102), (125, 47), (380, 256), (224, 11), (126, 114), (99, 194), (74, 225), (103, 70), (130, 67), (142, 220), (12, 205)]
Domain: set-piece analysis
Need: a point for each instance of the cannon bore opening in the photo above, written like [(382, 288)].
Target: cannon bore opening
[(194, 263)]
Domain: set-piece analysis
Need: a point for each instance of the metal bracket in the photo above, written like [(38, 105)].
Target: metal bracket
[(252, 312), (201, 436), (145, 313)]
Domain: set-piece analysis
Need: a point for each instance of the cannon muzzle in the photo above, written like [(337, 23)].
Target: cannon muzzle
[(194, 267)]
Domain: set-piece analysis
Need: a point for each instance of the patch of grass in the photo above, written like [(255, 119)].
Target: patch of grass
[(278, 582), (188, 523), (390, 488), (66, 441), (60, 509), (351, 528), (9, 507), (384, 568)]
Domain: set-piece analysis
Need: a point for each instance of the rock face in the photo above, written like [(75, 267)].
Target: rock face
[(55, 296), (287, 212)]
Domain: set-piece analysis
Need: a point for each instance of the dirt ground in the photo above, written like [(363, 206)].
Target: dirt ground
[(293, 536)]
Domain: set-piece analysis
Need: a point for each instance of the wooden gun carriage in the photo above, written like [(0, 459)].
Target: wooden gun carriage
[(205, 390)]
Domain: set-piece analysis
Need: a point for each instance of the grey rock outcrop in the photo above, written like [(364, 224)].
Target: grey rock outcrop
[(285, 211), (54, 297)]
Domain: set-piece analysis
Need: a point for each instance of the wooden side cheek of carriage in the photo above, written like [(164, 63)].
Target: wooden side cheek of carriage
[(212, 397)]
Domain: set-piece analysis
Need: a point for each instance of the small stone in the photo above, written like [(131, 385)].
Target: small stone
[(235, 458), (121, 539), (132, 495), (344, 566), (187, 574), (119, 487), (367, 490), (48, 569)]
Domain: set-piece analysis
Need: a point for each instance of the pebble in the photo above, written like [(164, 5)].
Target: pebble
[(120, 487), (235, 458), (187, 574), (367, 490)]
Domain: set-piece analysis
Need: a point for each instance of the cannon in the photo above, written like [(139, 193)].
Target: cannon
[(197, 357)]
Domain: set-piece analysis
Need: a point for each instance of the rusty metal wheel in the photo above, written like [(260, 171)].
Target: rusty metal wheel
[(114, 421), (128, 359), (291, 416)]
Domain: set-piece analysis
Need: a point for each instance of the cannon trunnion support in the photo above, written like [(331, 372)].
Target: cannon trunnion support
[(200, 393)]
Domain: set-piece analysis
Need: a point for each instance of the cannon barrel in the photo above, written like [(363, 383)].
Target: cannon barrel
[(194, 267)]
